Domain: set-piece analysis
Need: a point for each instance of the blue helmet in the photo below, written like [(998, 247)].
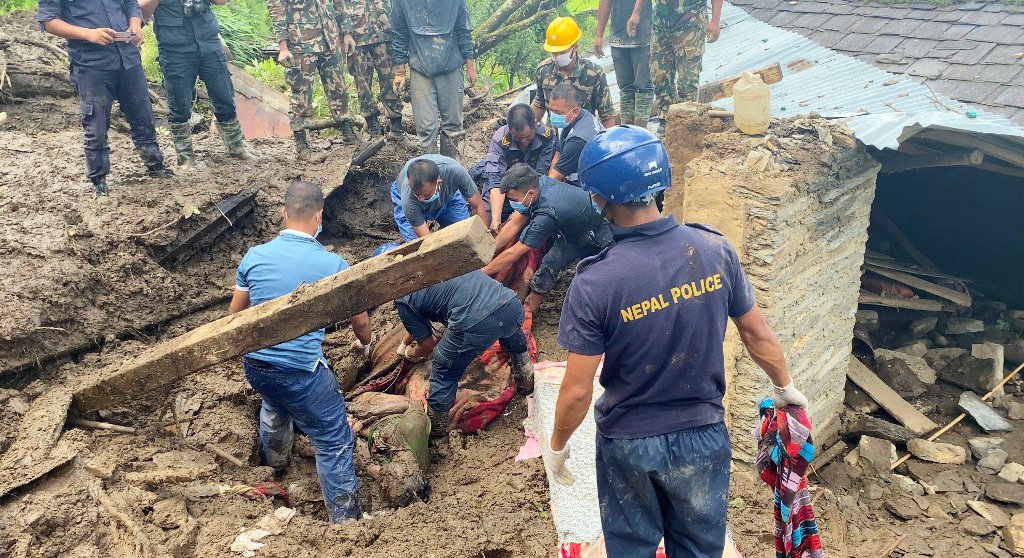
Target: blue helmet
[(386, 247), (624, 163)]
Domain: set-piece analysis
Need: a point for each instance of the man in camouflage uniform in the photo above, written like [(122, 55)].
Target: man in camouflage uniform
[(565, 64), (371, 28), (311, 35), (681, 28)]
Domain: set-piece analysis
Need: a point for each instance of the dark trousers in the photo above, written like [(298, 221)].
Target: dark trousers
[(562, 253), (674, 486), (457, 349), (97, 91), (314, 402), (180, 71), (633, 69)]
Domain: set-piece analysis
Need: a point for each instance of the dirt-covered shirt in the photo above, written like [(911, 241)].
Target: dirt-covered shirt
[(656, 305)]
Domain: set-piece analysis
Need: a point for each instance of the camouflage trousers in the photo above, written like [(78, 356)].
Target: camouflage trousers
[(361, 66), (299, 79), (675, 61)]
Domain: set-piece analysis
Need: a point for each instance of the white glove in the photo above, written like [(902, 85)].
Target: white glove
[(403, 351), (400, 351), (555, 461), (367, 348), (788, 395)]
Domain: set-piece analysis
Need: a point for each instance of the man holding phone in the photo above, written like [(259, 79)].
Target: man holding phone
[(103, 38)]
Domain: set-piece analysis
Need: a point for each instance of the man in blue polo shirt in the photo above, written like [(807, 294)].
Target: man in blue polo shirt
[(655, 307), (103, 47), (295, 381), (433, 188), (546, 210), (477, 311)]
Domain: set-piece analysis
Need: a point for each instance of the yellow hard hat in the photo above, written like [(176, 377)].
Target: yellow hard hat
[(561, 34)]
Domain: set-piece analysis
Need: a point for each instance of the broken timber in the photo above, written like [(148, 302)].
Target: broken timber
[(924, 304), (450, 252), (966, 157), (723, 88), (888, 399), (963, 299), (856, 425), (214, 220)]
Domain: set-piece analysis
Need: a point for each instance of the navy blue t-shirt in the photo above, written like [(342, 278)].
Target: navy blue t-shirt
[(656, 304), (459, 303)]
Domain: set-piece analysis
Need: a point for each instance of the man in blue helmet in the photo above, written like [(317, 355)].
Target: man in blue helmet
[(655, 307)]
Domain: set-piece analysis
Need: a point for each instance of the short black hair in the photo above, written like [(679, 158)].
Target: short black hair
[(521, 177), (303, 199), (421, 172), (567, 92), (520, 116)]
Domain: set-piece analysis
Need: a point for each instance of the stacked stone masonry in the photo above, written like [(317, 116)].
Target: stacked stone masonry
[(799, 227)]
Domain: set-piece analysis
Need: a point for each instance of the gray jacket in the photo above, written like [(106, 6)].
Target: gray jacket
[(433, 36)]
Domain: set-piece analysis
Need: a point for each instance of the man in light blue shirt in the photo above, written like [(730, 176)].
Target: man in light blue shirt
[(294, 379)]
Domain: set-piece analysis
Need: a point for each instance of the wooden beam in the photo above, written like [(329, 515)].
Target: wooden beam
[(828, 455), (856, 425), (450, 252), (894, 265), (922, 304), (723, 88), (963, 299), (997, 149), (882, 218), (889, 400), (203, 229), (1002, 169), (902, 163)]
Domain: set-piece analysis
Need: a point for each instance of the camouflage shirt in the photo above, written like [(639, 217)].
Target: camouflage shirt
[(674, 15), (587, 76), (310, 25), (371, 21)]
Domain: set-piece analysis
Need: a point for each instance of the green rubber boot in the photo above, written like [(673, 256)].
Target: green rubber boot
[(181, 134), (627, 108), (644, 103), (234, 140)]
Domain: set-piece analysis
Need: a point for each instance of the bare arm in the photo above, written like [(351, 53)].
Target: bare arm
[(476, 203), (762, 345), (610, 121), (511, 230), (361, 327), (422, 230), (497, 202), (239, 301), (506, 259), (604, 9), (574, 397), (149, 6), (61, 28)]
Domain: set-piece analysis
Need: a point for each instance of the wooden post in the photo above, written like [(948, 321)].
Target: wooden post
[(448, 253), (723, 88)]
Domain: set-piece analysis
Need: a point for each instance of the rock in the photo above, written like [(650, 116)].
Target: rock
[(943, 481), (1015, 410), (867, 320), (976, 526), (903, 507), (859, 401), (924, 326), (874, 491), (170, 513), (875, 455), (991, 512), (1011, 472), (904, 373), (183, 459), (986, 417), (100, 466), (18, 405), (917, 349), (1013, 535), (1005, 492), (940, 358), (906, 485), (982, 445), (939, 339), (891, 58), (960, 326), (1013, 352), (993, 462), (980, 371), (852, 458), (936, 452)]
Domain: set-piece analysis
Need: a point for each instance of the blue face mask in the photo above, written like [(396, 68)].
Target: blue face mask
[(594, 205), (557, 120), (319, 228), (519, 206)]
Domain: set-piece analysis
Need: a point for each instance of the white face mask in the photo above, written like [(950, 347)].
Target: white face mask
[(562, 60)]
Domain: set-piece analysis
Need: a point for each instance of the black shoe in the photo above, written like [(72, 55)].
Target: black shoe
[(347, 132), (373, 127), (100, 187), (160, 172)]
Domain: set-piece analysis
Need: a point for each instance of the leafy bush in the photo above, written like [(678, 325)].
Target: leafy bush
[(246, 29), (10, 6)]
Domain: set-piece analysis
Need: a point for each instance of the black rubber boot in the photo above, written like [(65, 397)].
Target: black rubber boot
[(99, 186), (160, 171), (396, 130), (347, 132), (373, 127), (301, 144), (522, 373)]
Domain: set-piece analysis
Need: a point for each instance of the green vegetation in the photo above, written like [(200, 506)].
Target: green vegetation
[(9, 6), (245, 28)]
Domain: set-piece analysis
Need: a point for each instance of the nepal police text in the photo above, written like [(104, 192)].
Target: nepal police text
[(685, 291)]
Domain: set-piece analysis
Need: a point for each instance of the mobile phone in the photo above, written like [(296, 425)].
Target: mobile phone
[(124, 36)]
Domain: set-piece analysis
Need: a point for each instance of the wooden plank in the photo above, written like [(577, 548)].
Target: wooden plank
[(202, 230), (882, 218), (723, 88), (894, 265), (896, 302), (891, 401), (963, 299), (903, 163), (450, 252), (828, 455), (992, 147)]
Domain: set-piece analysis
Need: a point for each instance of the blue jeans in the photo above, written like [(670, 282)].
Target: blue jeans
[(674, 486), (450, 212), (313, 401), (457, 349), (180, 71), (97, 91)]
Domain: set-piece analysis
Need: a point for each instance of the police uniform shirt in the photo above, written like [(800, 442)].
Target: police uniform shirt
[(503, 152), (559, 207), (454, 178), (656, 304), (460, 303), (277, 268), (95, 14), (178, 32), (571, 141)]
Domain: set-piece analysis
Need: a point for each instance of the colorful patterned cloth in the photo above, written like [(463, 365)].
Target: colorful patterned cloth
[(784, 450)]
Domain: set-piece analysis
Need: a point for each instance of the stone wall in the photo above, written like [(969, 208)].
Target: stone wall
[(796, 206)]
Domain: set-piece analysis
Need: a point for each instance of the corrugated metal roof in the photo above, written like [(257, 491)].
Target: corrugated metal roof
[(882, 108)]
